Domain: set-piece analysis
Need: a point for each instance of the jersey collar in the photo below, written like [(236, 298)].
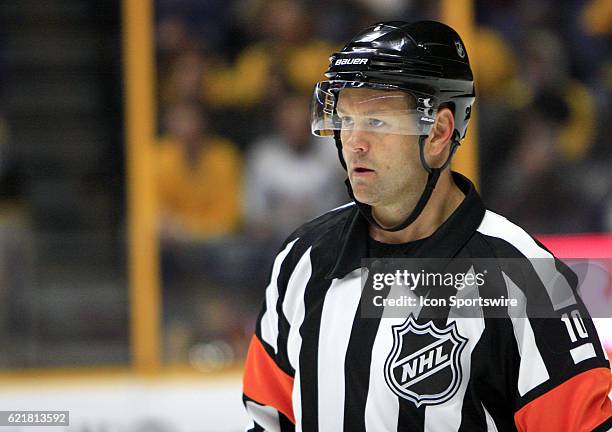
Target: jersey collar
[(445, 242)]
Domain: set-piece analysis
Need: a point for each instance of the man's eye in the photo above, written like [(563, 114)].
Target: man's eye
[(347, 121), (375, 123)]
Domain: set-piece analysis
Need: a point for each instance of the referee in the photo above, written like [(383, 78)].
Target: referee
[(398, 101)]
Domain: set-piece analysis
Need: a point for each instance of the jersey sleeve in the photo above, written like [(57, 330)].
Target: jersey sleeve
[(563, 373), (580, 403), (268, 376)]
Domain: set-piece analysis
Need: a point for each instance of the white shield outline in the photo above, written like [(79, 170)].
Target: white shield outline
[(449, 333)]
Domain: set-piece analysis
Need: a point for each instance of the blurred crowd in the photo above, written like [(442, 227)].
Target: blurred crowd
[(544, 75), (239, 169)]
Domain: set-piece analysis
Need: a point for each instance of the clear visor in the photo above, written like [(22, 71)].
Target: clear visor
[(352, 105)]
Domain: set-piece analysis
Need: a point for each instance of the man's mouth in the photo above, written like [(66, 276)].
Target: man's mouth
[(362, 170)]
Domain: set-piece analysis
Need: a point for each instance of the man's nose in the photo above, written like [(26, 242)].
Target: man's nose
[(357, 141)]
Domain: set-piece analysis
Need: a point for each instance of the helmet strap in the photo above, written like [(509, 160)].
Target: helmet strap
[(432, 180), (338, 142)]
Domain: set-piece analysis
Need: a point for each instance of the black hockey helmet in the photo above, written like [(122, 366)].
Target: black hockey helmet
[(426, 60)]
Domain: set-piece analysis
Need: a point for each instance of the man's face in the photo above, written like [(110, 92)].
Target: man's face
[(383, 168)]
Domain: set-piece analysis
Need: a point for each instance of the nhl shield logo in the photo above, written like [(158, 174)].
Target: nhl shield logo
[(424, 363)]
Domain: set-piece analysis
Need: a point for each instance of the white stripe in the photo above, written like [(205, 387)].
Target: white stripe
[(296, 399), (265, 416), (352, 203), (269, 320), (293, 309), (339, 309), (532, 370), (447, 416), (603, 327), (491, 426), (382, 405), (557, 287), (583, 352), (293, 306)]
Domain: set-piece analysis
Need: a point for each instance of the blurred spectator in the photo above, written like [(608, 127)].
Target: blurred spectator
[(291, 175), (286, 50), (199, 178), (500, 96), (495, 65), (183, 79), (199, 191), (173, 38), (392, 10), (555, 117), (546, 66), (597, 17), (205, 21), (533, 188)]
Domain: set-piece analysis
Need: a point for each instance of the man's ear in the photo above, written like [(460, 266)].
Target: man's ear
[(439, 138)]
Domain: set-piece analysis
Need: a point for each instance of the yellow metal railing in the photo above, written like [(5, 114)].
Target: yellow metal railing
[(459, 14), (143, 262)]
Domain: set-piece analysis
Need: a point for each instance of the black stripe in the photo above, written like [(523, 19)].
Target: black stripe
[(604, 427), (357, 370), (286, 270), (472, 415), (493, 379), (410, 417), (286, 425), (495, 358), (309, 330)]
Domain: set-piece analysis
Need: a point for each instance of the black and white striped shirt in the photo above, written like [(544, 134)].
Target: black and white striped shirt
[(316, 364)]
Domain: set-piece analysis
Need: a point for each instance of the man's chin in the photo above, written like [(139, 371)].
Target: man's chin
[(364, 196)]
